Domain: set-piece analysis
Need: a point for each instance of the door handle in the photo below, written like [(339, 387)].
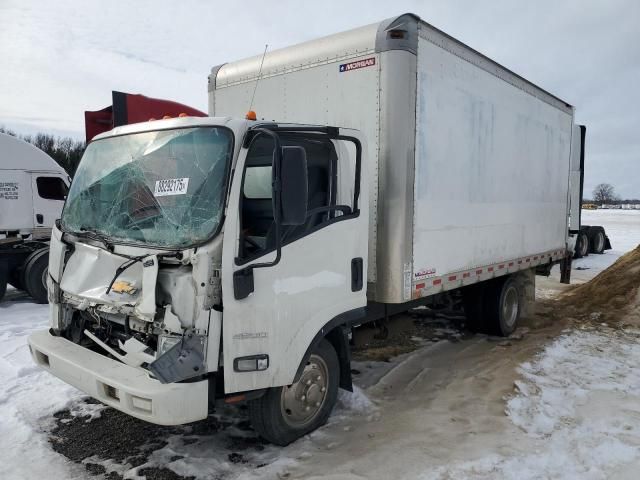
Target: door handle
[(39, 218), (356, 274)]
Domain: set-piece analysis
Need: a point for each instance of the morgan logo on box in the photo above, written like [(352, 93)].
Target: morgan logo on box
[(367, 62)]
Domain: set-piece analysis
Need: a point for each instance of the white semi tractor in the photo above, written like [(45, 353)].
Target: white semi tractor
[(33, 188), (226, 259)]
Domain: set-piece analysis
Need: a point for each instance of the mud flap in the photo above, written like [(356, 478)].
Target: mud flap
[(565, 268)]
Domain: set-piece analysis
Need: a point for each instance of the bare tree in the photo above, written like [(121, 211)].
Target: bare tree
[(604, 193)]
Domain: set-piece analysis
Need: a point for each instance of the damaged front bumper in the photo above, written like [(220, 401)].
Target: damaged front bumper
[(120, 386)]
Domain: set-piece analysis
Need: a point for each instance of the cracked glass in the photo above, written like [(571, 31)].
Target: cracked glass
[(161, 188)]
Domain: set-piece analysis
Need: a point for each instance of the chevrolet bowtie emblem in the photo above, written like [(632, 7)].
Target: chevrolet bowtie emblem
[(123, 287)]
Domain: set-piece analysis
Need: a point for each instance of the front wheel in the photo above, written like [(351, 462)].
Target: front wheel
[(35, 275), (284, 414)]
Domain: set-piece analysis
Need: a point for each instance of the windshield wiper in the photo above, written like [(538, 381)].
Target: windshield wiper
[(85, 232), (122, 268)]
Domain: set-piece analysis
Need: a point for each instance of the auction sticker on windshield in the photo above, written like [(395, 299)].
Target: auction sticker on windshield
[(171, 186)]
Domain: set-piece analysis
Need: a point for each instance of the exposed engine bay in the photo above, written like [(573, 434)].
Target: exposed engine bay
[(148, 311)]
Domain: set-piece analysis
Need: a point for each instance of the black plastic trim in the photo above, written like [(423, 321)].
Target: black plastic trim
[(119, 109), (342, 322)]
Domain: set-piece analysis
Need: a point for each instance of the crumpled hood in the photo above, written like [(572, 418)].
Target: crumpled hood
[(90, 270)]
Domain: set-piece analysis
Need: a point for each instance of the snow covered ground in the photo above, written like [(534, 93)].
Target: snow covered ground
[(448, 410)]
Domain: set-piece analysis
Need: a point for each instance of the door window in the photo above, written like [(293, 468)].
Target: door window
[(52, 188), (331, 183)]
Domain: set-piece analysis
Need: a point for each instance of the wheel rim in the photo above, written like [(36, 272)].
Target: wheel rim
[(302, 402), (44, 278), (510, 306), (599, 242)]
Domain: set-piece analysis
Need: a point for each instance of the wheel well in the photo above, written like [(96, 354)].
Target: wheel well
[(338, 338), (336, 332)]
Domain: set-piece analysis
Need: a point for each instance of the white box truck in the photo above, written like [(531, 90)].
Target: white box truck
[(33, 188), (225, 259)]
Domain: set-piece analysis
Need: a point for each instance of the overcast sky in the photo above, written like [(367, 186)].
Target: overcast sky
[(59, 58)]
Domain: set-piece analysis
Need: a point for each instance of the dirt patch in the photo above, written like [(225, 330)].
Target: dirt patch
[(127, 443), (406, 332), (610, 296)]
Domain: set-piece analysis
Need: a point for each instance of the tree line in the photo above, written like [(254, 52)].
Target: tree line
[(66, 151), (605, 194)]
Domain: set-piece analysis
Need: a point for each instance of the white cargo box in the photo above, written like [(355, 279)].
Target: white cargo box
[(468, 162)]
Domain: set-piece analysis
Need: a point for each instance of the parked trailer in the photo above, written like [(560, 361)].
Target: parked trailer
[(32, 191), (226, 259)]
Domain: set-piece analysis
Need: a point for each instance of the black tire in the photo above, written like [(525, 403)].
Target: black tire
[(3, 281), (15, 278), (277, 424), (597, 242), (582, 245), (35, 275), (502, 306)]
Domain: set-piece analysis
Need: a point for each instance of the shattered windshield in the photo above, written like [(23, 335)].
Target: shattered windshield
[(162, 188)]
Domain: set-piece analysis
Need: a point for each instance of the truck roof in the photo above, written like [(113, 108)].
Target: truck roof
[(365, 40), (16, 154)]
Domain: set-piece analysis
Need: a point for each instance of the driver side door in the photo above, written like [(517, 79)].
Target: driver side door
[(321, 274)]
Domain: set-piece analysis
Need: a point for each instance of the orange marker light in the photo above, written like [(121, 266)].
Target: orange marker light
[(251, 115), (166, 116), (183, 115)]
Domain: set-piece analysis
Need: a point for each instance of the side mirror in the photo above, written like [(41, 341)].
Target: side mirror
[(293, 186)]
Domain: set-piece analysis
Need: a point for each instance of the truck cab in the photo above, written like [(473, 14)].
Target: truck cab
[(33, 188), (204, 259)]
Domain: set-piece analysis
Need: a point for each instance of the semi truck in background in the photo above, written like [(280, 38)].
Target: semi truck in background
[(225, 259), (33, 188)]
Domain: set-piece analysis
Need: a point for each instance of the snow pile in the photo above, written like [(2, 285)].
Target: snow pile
[(28, 398), (578, 405), (356, 402)]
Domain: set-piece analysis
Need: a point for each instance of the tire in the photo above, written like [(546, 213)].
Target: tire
[(284, 414), (3, 281), (597, 242), (35, 275), (582, 245), (15, 280), (502, 306)]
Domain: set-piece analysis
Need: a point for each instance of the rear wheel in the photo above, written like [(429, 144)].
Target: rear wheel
[(15, 280), (582, 245), (3, 281), (502, 306), (35, 275), (284, 414), (597, 242)]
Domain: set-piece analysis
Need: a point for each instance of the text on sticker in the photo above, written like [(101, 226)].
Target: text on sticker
[(171, 186)]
